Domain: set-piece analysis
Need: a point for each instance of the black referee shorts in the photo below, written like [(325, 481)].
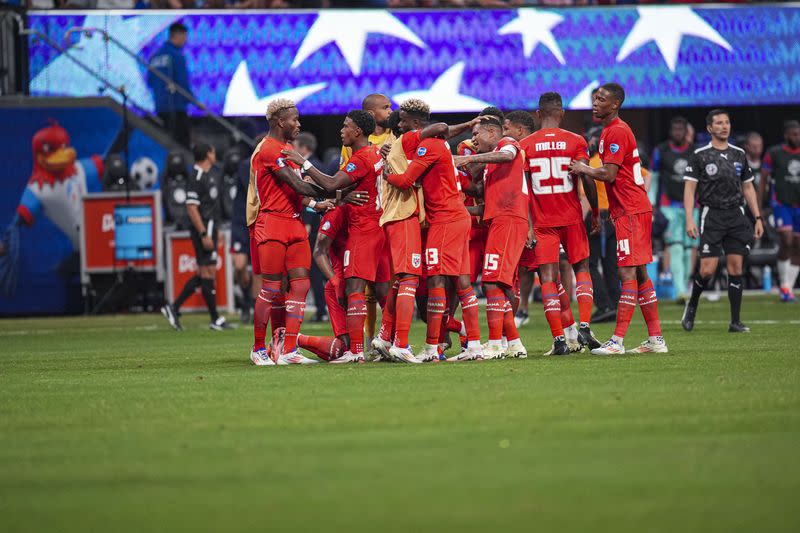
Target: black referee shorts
[(724, 231), (203, 256)]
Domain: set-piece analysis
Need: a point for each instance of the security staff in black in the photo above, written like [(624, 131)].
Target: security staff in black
[(202, 206), (725, 181)]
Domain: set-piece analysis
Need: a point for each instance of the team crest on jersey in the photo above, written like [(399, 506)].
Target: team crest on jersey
[(213, 193), (600, 148), (326, 225), (614, 147), (416, 260), (422, 151), (350, 167), (281, 162), (738, 167), (711, 169), (794, 167)]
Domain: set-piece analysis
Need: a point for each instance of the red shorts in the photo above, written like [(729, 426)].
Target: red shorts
[(405, 243), (363, 253), (254, 251), (528, 259), (549, 241), (634, 239), (282, 244), (477, 247), (447, 248), (504, 245), (384, 273)]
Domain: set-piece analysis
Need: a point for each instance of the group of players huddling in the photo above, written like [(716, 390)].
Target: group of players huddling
[(409, 217), (413, 223)]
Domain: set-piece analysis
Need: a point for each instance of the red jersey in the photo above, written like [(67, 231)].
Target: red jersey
[(334, 226), (275, 196), (626, 196), (505, 188), (363, 168), (433, 166), (548, 153), (411, 141)]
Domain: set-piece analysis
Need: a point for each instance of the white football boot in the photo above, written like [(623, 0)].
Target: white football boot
[(403, 355), (610, 347), (651, 345), (261, 357)]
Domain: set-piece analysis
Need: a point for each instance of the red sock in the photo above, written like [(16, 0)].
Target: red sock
[(404, 309), (387, 316), (437, 302), (648, 303), (336, 312), (443, 331), (585, 296), (295, 311), (567, 318), (326, 348), (552, 308), (278, 312), (263, 308), (356, 315), (509, 326), (625, 308), (495, 312), (469, 313)]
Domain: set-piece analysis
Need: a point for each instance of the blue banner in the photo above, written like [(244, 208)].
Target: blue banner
[(457, 60)]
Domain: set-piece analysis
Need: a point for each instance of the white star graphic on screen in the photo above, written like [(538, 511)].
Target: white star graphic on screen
[(242, 100), (444, 95), (535, 27), (666, 26), (583, 100), (63, 76), (348, 29)]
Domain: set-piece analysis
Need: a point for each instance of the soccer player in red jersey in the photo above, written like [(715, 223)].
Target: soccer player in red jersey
[(447, 244), (558, 216), (633, 219), (366, 241), (279, 232), (506, 212)]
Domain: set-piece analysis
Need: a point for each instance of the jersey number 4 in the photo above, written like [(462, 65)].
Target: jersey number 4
[(550, 169)]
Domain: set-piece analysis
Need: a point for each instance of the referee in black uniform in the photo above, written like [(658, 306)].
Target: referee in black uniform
[(202, 205), (725, 181)]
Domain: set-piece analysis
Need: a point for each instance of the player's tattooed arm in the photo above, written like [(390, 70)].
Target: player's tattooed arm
[(606, 173), (441, 129), (340, 180), (303, 188), (501, 156)]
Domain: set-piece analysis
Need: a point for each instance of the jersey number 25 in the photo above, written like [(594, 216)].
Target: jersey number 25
[(550, 169)]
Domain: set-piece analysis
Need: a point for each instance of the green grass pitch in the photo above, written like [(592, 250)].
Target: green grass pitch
[(119, 424)]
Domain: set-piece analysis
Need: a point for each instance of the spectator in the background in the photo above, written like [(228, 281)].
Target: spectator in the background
[(669, 162), (754, 149), (170, 105), (690, 134), (306, 146)]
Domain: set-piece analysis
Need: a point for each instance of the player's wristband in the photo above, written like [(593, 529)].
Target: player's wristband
[(306, 165), (312, 203), (339, 195), (204, 234), (759, 217)]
